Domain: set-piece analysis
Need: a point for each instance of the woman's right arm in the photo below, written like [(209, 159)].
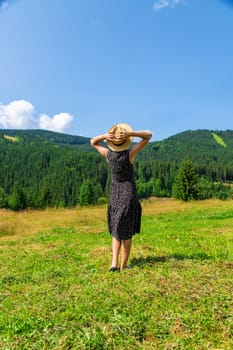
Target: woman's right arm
[(95, 142)]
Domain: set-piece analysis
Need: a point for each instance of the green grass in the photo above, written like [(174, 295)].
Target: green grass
[(218, 139), (11, 138), (56, 291)]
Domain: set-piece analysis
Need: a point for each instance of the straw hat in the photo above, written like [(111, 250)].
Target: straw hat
[(117, 145)]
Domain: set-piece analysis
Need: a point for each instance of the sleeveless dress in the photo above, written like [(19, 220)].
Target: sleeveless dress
[(124, 209)]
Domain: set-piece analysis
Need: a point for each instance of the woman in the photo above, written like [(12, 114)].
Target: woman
[(124, 209)]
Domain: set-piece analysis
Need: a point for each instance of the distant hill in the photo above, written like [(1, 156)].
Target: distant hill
[(45, 136), (188, 144), (203, 147), (200, 146)]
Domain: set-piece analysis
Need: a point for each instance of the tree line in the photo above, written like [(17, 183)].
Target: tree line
[(40, 173), (63, 178)]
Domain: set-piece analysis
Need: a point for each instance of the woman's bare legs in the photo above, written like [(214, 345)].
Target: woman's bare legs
[(116, 246), (126, 247)]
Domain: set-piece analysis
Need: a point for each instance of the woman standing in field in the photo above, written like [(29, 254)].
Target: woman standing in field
[(124, 209)]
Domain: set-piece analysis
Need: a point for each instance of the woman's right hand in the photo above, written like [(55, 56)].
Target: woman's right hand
[(109, 136)]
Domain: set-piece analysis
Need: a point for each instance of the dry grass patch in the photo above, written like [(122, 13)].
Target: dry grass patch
[(7, 229), (100, 251), (168, 205), (15, 225)]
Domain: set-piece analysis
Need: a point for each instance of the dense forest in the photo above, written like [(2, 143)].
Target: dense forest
[(42, 168)]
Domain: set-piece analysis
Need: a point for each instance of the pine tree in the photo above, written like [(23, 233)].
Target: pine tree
[(2, 198), (86, 194), (185, 185), (17, 200)]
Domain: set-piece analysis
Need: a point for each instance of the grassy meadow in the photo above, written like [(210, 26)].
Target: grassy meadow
[(56, 291)]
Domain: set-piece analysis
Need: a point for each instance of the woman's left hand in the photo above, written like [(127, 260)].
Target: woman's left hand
[(121, 135)]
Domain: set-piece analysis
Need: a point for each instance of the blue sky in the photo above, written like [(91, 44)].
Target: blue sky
[(79, 66)]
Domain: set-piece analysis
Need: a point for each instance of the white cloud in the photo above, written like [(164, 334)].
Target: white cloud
[(161, 4), (20, 115), (17, 115), (60, 122)]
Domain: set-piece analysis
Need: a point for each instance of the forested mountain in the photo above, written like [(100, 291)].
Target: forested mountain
[(210, 151), (200, 145), (44, 136), (42, 168)]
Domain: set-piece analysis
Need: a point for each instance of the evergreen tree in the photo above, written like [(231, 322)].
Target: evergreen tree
[(17, 200), (144, 189), (86, 194), (3, 200), (185, 185)]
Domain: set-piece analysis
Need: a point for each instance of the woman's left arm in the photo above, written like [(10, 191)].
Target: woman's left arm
[(95, 142), (145, 136)]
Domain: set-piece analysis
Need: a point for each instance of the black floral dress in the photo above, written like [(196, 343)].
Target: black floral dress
[(124, 209)]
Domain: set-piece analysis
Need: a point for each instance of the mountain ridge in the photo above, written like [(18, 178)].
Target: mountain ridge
[(197, 145), (69, 139)]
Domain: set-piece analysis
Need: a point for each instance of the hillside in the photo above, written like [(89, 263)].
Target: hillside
[(41, 168), (200, 146), (40, 137)]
